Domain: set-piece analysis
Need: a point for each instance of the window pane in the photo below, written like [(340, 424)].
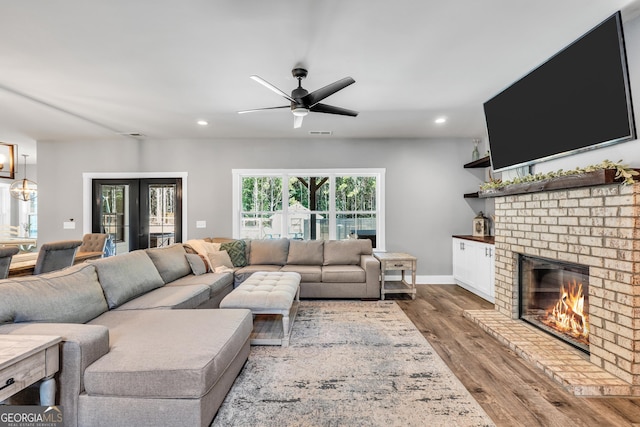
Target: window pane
[(258, 226), (308, 211), (355, 193), (309, 192), (300, 223), (356, 226), (260, 194)]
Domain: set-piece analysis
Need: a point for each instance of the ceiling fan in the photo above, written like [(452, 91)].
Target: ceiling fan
[(303, 102)]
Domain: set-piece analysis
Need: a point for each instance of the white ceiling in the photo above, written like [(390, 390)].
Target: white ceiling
[(79, 70)]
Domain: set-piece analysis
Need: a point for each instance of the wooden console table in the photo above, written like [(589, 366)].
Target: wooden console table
[(26, 359), (397, 261)]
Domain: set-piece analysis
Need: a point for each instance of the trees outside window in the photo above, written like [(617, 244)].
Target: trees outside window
[(321, 205)]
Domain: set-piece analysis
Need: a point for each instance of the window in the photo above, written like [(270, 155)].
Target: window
[(309, 204)]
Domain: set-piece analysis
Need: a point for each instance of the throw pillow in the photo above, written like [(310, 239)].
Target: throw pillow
[(197, 264), (220, 261), (236, 251)]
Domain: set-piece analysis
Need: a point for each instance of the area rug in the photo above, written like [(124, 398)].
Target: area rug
[(350, 363)]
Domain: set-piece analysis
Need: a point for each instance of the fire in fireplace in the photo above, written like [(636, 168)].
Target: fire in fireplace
[(554, 296)]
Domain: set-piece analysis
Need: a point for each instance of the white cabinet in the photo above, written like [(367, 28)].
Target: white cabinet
[(473, 267)]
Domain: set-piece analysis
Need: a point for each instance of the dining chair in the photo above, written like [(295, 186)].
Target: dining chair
[(5, 259), (93, 242), (56, 255)]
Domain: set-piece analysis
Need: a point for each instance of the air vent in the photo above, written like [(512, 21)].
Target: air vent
[(133, 134), (320, 132)]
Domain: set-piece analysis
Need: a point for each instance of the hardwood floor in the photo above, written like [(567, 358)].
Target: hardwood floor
[(511, 391)]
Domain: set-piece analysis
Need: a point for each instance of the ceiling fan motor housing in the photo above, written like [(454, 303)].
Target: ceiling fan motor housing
[(299, 73), (298, 94)]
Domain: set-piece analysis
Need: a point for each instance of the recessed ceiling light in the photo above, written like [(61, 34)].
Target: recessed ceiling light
[(440, 120), (202, 122)]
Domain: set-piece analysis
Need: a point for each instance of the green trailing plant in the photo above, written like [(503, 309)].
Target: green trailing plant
[(623, 172)]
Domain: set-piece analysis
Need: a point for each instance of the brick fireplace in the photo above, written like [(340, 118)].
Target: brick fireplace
[(598, 227)]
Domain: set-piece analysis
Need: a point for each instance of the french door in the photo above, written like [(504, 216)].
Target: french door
[(138, 213)]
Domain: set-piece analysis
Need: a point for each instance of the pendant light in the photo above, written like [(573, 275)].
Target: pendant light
[(24, 189)]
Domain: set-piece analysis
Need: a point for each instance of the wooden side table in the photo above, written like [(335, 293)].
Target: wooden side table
[(26, 359), (397, 261)]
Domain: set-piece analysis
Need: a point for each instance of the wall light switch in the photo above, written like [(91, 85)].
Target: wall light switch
[(69, 225), (201, 224)]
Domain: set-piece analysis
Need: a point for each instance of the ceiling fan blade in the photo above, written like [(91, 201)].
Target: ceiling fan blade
[(324, 108), (272, 87), (262, 109), (318, 95), (297, 121)]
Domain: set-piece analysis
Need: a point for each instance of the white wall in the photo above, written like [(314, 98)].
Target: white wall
[(424, 182)]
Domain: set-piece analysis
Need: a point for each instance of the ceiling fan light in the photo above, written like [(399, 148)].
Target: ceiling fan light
[(300, 112)]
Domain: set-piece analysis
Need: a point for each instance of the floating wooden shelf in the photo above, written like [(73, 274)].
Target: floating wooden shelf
[(480, 163), (589, 179)]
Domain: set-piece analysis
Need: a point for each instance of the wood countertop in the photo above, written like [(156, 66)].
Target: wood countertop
[(486, 239)]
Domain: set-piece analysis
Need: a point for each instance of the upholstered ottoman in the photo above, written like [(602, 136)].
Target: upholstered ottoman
[(268, 293)]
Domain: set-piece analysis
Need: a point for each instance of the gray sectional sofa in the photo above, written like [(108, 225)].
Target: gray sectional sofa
[(329, 268), (134, 352)]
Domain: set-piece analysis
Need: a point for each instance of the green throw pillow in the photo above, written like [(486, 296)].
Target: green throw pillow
[(236, 251)]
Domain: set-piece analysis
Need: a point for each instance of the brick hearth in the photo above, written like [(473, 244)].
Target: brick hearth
[(598, 227)]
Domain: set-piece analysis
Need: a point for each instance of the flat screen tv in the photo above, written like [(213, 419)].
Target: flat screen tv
[(577, 100)]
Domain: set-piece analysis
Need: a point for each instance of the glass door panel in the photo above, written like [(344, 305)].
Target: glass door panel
[(161, 204), (138, 214), (112, 213)]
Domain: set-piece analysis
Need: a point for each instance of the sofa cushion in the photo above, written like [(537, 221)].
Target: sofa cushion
[(342, 252), (343, 274), (144, 362), (237, 252), (217, 282), (309, 273), (170, 262), (269, 252), (70, 295), (306, 252), (197, 264), (124, 277), (169, 297)]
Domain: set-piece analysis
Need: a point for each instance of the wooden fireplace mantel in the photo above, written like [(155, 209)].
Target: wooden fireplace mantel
[(588, 179)]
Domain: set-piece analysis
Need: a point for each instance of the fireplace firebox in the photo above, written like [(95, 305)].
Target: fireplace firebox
[(554, 296)]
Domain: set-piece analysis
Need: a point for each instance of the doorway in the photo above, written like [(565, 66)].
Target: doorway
[(137, 213)]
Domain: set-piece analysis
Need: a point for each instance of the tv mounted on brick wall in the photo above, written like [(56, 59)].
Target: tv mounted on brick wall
[(577, 100)]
